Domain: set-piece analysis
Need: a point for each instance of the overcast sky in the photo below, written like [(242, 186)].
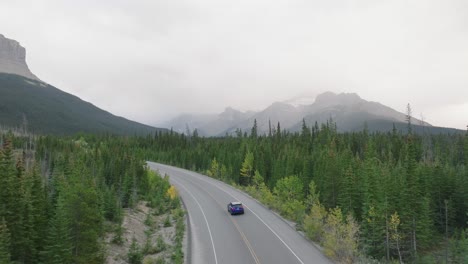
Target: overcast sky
[(149, 60)]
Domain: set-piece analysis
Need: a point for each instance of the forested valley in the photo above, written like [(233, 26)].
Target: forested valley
[(363, 197), (393, 196)]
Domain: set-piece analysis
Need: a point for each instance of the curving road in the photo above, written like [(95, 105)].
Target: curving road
[(258, 237)]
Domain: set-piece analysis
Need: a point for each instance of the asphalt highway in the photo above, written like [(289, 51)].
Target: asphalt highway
[(257, 237)]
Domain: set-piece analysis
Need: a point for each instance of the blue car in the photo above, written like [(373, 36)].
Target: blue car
[(235, 208)]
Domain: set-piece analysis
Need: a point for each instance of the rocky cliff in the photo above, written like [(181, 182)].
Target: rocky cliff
[(13, 58)]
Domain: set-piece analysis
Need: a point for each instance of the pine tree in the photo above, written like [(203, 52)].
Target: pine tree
[(348, 197), (373, 230), (85, 223), (307, 173), (7, 180), (58, 245), (330, 173), (278, 131), (465, 149), (305, 132), (40, 207), (412, 196), (269, 128), (82, 205), (408, 119), (134, 253), (424, 226), (26, 249), (10, 197), (464, 246), (4, 243), (254, 131), (373, 203)]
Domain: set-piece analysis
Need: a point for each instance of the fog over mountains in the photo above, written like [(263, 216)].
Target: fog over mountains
[(26, 99), (349, 111)]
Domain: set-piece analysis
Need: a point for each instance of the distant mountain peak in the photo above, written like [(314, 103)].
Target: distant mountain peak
[(281, 106), (301, 100), (13, 58), (229, 109), (231, 114), (348, 110), (342, 98)]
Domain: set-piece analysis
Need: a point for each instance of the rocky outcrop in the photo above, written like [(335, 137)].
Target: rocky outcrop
[(13, 58)]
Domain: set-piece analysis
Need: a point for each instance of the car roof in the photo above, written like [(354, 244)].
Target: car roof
[(236, 203)]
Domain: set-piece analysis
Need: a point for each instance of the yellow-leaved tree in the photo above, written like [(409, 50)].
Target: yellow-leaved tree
[(172, 192), (247, 170), (340, 237), (395, 234)]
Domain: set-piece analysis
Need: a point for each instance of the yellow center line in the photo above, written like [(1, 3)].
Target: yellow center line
[(244, 238), (249, 246)]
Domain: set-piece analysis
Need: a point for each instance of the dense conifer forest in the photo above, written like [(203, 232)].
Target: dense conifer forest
[(59, 195), (391, 196), (383, 197)]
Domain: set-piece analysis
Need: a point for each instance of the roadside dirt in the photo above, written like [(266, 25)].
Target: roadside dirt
[(141, 223)]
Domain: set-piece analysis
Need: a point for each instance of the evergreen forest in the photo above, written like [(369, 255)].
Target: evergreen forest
[(364, 197), (394, 196), (60, 195)]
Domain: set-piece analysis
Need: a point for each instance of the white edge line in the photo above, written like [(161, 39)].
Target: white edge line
[(267, 226), (284, 243), (204, 216)]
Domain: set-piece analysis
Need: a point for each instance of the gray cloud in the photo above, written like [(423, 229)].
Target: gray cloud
[(150, 60)]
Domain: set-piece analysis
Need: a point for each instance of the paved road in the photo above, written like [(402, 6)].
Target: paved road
[(257, 237)]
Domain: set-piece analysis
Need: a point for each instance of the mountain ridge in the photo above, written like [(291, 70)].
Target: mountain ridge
[(26, 101), (348, 110), (49, 110)]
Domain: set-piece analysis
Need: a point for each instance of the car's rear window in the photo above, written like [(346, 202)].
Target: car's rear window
[(237, 206)]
